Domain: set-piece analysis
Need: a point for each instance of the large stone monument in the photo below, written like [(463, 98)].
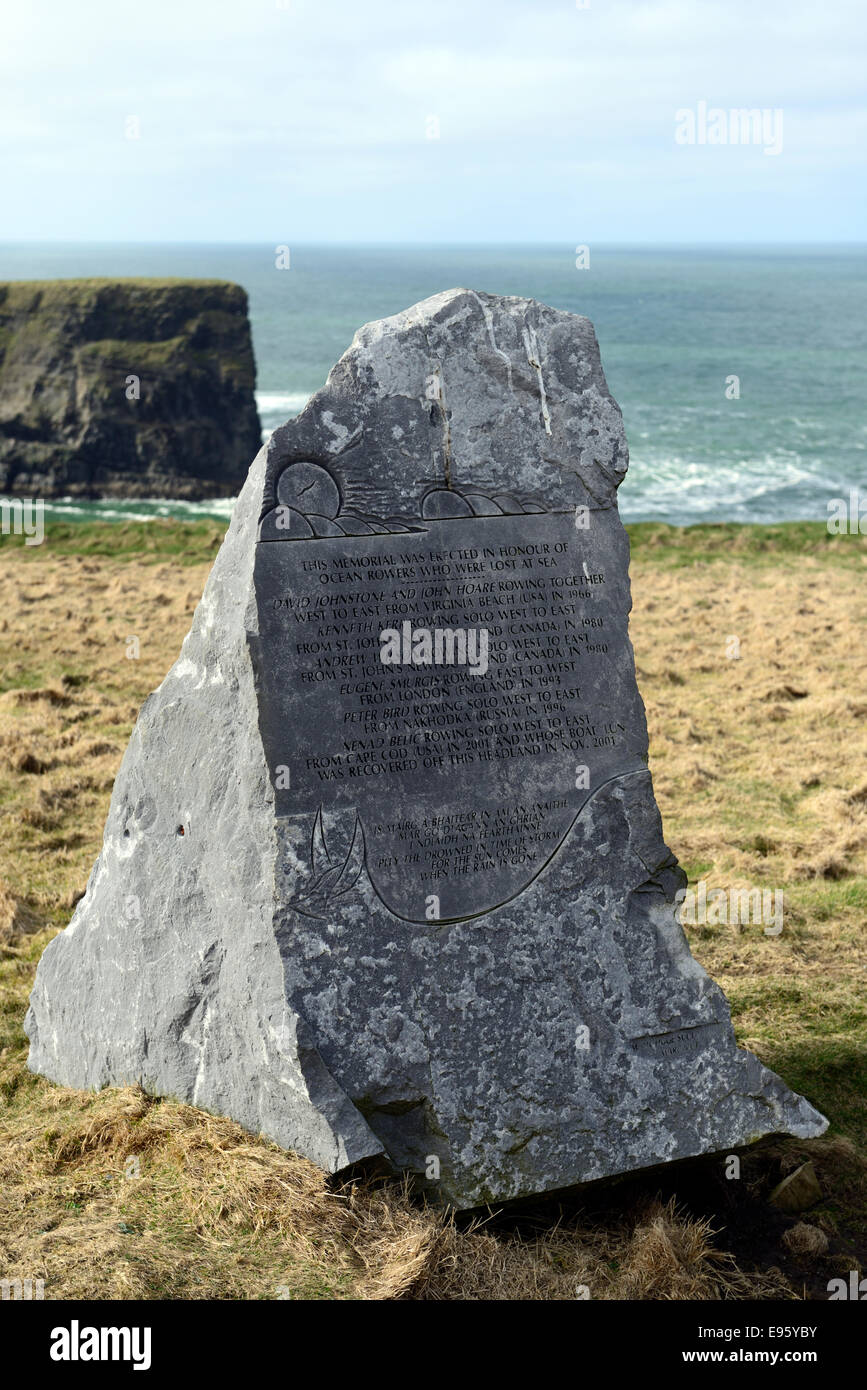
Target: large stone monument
[(383, 871)]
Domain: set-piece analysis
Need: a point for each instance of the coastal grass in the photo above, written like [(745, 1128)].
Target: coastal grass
[(791, 542), (786, 542), (84, 291), (185, 542), (759, 756)]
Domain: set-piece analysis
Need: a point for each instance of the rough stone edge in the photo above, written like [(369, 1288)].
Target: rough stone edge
[(313, 1116)]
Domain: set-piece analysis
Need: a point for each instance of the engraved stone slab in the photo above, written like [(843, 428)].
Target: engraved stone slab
[(421, 905), (429, 754)]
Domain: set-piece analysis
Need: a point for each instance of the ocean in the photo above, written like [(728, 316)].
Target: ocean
[(675, 325)]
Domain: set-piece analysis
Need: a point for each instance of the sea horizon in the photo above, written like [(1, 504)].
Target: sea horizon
[(739, 366)]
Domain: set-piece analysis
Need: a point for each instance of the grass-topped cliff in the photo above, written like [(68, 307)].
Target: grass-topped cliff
[(125, 388)]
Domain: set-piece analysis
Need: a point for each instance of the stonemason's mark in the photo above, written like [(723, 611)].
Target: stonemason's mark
[(661, 1046)]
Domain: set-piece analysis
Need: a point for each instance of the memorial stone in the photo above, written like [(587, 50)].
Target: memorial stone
[(383, 872)]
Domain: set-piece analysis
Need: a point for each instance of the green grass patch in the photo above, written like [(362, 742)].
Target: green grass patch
[(651, 541), (186, 542), (675, 546)]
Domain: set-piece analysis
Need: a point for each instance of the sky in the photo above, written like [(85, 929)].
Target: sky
[(292, 121)]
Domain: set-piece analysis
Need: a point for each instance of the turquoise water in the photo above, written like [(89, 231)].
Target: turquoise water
[(673, 324)]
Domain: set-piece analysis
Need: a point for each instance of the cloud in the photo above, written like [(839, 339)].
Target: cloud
[(314, 99)]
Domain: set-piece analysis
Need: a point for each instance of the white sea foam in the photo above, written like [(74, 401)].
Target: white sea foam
[(138, 509), (286, 403), (275, 408), (738, 489)]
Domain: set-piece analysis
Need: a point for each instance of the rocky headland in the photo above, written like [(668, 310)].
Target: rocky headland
[(125, 388)]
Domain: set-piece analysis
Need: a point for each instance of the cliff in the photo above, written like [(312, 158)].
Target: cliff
[(125, 388)]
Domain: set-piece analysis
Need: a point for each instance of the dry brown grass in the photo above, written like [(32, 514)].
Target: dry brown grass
[(760, 770), (119, 1196), (784, 725)]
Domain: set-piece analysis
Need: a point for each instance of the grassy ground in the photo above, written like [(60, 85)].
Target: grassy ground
[(751, 646)]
